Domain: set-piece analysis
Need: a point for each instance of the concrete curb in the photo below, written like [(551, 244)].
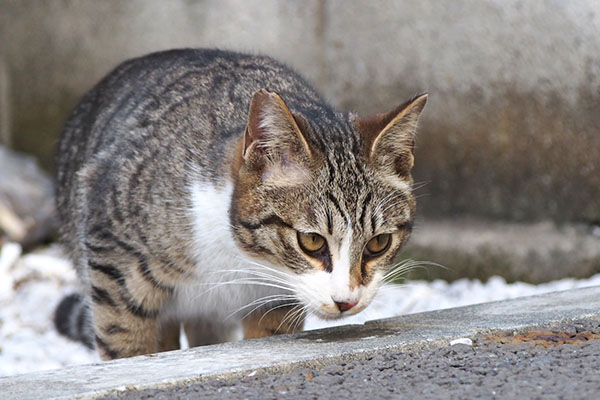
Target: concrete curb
[(308, 349)]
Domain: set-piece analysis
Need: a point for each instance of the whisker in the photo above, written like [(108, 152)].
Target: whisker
[(383, 202), (293, 312), (421, 195), (409, 265), (256, 264), (276, 308), (419, 185), (254, 273), (242, 281), (261, 302), (298, 319), (389, 207), (301, 317)]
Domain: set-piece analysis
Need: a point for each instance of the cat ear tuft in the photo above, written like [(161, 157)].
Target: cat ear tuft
[(390, 137), (272, 127)]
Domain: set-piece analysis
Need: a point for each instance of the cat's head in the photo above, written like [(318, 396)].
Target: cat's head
[(325, 197)]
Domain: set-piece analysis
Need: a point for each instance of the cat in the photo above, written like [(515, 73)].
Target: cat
[(218, 190)]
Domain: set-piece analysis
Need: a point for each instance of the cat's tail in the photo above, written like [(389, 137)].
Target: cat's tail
[(72, 319)]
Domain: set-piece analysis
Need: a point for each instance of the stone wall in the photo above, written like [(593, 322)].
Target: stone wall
[(512, 129)]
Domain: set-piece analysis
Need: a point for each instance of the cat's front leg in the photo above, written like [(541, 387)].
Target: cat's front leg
[(119, 336), (125, 309), (169, 333), (275, 321)]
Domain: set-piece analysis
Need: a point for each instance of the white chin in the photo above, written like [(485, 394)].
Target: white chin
[(331, 316)]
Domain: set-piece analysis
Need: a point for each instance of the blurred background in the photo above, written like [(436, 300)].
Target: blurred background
[(508, 156)]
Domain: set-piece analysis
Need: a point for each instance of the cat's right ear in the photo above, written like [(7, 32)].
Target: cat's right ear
[(271, 127), (273, 143)]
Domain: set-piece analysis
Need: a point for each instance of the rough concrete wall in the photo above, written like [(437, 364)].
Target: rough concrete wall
[(5, 114), (57, 50), (512, 128), (513, 125)]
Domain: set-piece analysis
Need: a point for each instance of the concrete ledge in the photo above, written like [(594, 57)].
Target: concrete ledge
[(307, 349), (478, 248)]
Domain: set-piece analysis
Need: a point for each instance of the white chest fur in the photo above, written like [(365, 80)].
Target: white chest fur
[(226, 283)]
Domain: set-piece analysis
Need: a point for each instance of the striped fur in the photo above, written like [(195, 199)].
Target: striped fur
[(183, 179)]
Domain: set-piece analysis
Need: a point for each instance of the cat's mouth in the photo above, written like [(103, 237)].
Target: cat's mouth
[(330, 302), (335, 311)]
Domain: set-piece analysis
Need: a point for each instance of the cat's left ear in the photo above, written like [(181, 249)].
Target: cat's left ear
[(390, 137)]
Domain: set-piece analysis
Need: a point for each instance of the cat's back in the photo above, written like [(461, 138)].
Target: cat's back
[(195, 94), (186, 104)]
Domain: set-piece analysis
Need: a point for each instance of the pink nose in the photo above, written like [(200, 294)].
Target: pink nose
[(345, 306)]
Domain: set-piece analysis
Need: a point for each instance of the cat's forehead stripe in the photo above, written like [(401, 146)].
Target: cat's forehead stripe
[(336, 204), (363, 213)]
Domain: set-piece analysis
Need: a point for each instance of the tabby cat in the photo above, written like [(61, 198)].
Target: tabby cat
[(219, 191)]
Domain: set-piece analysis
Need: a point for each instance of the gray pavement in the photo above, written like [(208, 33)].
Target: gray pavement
[(486, 370), (424, 335)]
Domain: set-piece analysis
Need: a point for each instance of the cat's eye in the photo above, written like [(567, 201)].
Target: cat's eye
[(378, 244), (311, 242)]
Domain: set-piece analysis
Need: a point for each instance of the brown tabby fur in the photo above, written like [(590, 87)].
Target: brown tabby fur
[(184, 178)]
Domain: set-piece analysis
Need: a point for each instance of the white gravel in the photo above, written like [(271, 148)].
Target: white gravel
[(31, 285)]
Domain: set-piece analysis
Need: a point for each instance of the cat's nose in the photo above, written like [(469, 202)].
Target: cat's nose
[(343, 306)]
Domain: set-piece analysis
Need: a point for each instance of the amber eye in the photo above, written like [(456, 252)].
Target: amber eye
[(311, 242), (378, 244)]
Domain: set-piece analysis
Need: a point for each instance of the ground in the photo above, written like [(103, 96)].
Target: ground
[(490, 368)]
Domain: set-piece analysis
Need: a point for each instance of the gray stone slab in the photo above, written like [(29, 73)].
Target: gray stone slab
[(477, 248), (311, 349)]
